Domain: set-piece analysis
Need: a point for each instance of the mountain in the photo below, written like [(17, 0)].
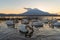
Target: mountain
[(2, 14), (30, 11), (35, 11)]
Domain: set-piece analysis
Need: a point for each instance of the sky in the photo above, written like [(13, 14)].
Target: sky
[(16, 6)]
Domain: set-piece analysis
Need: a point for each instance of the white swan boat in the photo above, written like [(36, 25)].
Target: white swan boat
[(57, 24), (10, 23), (37, 24), (25, 21)]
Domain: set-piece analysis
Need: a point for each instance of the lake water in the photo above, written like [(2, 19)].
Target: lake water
[(45, 30)]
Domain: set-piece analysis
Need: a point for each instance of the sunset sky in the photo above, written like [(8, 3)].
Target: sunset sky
[(16, 6)]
